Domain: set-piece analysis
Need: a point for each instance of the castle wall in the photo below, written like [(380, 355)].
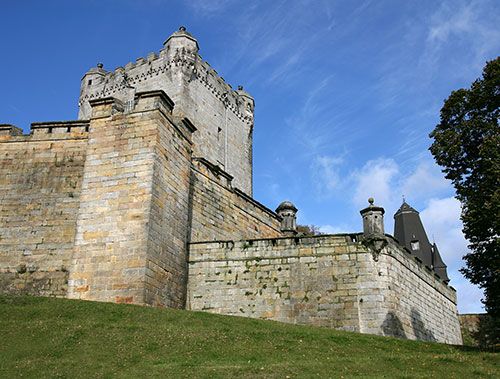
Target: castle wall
[(40, 184), (223, 117), (418, 305), (132, 224), (331, 281), (220, 212)]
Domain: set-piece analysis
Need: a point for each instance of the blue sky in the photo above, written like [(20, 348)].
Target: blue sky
[(346, 92)]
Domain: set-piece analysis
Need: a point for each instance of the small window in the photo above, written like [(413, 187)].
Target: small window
[(90, 82), (415, 245)]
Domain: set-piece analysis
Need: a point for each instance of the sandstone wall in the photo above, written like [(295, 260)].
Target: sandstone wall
[(331, 281), (132, 224), (418, 305), (223, 116), (40, 184), (221, 212)]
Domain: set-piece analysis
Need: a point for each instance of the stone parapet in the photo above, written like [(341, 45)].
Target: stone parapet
[(221, 212), (334, 281)]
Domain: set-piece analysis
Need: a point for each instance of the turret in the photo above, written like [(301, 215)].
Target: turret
[(373, 219), (179, 40), (93, 78), (288, 213), (247, 103)]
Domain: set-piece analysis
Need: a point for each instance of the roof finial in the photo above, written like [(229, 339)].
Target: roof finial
[(404, 199), (182, 28), (371, 201)]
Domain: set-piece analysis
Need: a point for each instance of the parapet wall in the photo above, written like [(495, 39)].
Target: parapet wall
[(40, 185), (332, 281), (221, 212)]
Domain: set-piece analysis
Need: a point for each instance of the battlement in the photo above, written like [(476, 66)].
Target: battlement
[(47, 130), (326, 280), (101, 83), (223, 116)]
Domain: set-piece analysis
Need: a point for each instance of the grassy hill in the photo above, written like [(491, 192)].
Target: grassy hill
[(46, 337)]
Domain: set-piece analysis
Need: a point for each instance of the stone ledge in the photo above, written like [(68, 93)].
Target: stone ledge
[(164, 100), (10, 130)]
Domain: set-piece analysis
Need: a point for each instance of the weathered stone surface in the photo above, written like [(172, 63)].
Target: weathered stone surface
[(40, 184), (314, 281)]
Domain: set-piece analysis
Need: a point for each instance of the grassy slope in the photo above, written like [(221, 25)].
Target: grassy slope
[(45, 337)]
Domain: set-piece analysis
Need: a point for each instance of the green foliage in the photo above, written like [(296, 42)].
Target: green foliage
[(47, 337), (467, 146)]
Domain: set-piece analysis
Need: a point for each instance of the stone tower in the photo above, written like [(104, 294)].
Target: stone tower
[(223, 116)]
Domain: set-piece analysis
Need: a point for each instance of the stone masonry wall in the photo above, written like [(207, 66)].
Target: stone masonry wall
[(331, 281), (221, 212), (418, 305), (168, 225), (40, 184), (223, 116), (131, 231)]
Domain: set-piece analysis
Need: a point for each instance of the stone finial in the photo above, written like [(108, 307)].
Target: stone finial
[(288, 213), (182, 28), (373, 219), (100, 65)]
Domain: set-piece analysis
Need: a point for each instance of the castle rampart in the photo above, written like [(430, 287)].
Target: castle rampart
[(333, 281), (221, 212), (40, 185)]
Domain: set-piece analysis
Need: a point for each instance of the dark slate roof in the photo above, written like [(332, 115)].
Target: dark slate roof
[(410, 233), (439, 266)]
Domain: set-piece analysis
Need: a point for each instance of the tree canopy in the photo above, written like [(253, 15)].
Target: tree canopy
[(467, 146)]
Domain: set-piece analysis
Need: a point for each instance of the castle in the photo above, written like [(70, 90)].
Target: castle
[(147, 199)]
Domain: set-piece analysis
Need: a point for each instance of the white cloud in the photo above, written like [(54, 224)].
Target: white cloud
[(425, 181), (334, 229), (450, 21), (325, 173), (375, 179), (441, 218)]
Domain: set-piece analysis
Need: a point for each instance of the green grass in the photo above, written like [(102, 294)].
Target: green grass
[(47, 337)]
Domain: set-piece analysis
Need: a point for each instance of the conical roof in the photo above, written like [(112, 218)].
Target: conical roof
[(182, 33), (410, 233), (405, 207), (439, 266)]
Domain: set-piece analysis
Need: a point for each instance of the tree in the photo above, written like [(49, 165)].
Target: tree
[(467, 146)]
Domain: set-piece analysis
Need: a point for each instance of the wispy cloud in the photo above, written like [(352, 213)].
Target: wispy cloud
[(326, 174), (208, 8), (375, 179)]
